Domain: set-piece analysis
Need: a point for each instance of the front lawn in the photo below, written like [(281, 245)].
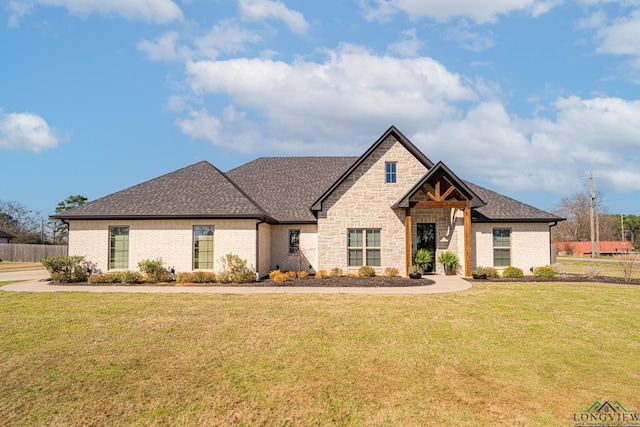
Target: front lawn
[(6, 266), (529, 354)]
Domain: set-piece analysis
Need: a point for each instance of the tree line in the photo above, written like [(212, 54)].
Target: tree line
[(609, 227), (32, 227)]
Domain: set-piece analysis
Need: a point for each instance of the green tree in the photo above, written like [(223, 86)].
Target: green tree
[(61, 230), (632, 227)]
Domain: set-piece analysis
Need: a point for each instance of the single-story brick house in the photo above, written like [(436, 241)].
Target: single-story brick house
[(376, 209)]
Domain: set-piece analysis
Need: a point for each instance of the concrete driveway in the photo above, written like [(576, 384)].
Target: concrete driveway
[(35, 281)]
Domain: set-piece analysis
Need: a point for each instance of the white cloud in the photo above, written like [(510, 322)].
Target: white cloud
[(157, 11), (259, 10), (598, 134), (467, 39), (314, 103), (17, 10), (596, 20), (409, 45), (164, 48), (26, 132), (485, 11), (621, 37)]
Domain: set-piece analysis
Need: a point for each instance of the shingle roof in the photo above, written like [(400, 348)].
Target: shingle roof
[(4, 235), (196, 191), (286, 187), (502, 208)]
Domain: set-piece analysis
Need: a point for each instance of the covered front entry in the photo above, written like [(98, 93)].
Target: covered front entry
[(438, 189), (426, 239)]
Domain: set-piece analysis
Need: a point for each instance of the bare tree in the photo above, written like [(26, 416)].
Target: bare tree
[(25, 225)]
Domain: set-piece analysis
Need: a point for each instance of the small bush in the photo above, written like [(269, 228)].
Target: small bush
[(303, 274), (592, 271), (391, 272), (321, 274), (560, 268), (489, 271), (234, 269), (196, 277), (546, 271), (291, 274), (282, 277), (124, 277), (66, 269), (366, 271), (273, 274), (512, 272), (154, 270), (336, 272)]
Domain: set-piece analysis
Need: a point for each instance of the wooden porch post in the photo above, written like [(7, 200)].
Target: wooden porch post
[(467, 242), (407, 233)]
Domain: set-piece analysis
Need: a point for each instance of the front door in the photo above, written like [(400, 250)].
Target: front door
[(427, 240)]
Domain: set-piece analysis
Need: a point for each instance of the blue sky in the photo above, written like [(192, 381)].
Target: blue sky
[(524, 97)]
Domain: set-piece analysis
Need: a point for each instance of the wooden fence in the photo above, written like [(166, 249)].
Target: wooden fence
[(29, 253)]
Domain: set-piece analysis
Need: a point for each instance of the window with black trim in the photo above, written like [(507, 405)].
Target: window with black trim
[(501, 247), (294, 241), (390, 172), (364, 247), (203, 247), (118, 247)]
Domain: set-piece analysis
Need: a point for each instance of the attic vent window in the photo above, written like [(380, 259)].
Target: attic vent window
[(390, 172)]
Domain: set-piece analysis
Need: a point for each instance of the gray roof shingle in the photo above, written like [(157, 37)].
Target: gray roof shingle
[(196, 191), (286, 187), (5, 235)]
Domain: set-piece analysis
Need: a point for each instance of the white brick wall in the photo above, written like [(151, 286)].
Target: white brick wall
[(530, 246), (171, 240), (280, 247)]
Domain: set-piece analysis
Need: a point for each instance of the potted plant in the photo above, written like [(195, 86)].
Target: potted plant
[(479, 273), (422, 259), (414, 272), (449, 260)]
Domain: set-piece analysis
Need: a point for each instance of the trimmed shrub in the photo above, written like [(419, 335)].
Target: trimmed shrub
[(282, 277), (336, 272), (154, 270), (291, 274), (512, 272), (489, 271), (366, 271), (196, 277), (124, 277), (546, 271), (321, 274), (273, 274), (234, 269), (66, 269), (303, 274), (391, 272)]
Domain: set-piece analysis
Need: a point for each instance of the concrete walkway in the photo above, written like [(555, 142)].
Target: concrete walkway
[(35, 281)]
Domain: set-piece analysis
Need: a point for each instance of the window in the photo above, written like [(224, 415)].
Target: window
[(203, 247), (364, 248), (390, 172), (294, 241), (501, 247), (119, 248)]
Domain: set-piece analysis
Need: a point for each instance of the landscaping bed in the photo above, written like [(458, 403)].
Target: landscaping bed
[(309, 281)]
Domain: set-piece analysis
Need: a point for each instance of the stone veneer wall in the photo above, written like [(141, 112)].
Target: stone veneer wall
[(364, 201), (530, 245), (280, 256), (171, 240)]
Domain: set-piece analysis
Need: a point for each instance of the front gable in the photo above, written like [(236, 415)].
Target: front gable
[(391, 147)]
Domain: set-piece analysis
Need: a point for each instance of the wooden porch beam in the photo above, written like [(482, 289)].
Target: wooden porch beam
[(458, 204), (407, 233), (467, 242)]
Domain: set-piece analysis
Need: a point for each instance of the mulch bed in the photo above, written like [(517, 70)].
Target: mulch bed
[(575, 278), (310, 281)]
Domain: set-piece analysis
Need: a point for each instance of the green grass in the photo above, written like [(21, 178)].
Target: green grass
[(9, 282), (527, 354), (608, 268)]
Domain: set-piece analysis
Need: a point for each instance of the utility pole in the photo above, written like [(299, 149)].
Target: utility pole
[(592, 215), (622, 224)]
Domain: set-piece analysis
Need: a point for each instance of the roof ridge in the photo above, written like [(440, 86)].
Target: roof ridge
[(244, 194)]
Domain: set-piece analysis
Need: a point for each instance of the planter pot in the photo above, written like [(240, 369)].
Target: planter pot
[(479, 276), (415, 275), (448, 270)]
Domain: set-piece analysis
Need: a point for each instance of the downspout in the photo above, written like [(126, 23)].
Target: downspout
[(550, 243), (262, 221)]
